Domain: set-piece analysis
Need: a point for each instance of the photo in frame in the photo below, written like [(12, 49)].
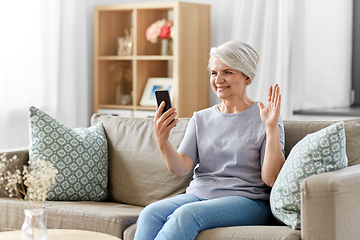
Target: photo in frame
[(152, 84)]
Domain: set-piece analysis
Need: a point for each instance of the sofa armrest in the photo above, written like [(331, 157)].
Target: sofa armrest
[(330, 206), (21, 153)]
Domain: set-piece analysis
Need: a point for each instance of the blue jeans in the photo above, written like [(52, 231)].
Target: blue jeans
[(184, 216)]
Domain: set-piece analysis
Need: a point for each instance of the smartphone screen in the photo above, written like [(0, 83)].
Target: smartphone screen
[(163, 95)]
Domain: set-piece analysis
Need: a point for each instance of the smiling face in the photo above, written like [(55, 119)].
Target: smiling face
[(227, 83)]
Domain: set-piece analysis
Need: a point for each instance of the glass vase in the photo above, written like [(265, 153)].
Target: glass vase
[(122, 97), (166, 47), (34, 227)]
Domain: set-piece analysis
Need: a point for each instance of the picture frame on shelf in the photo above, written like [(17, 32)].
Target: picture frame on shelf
[(152, 84)]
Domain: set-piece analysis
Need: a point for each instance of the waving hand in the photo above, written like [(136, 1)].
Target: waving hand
[(270, 114)]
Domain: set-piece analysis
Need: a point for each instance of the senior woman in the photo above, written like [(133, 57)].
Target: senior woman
[(236, 147)]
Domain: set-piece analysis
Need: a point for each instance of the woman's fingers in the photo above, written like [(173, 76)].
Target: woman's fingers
[(164, 123), (274, 97), (170, 118), (270, 94), (261, 105), (159, 109), (164, 118), (276, 94), (278, 103), (273, 94), (169, 114), (278, 97)]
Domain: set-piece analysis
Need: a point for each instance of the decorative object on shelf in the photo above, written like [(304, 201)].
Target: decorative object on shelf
[(166, 47), (125, 44), (152, 84), (122, 76), (161, 29), (38, 177), (122, 98)]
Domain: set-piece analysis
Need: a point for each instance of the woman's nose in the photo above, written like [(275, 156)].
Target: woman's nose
[(219, 79)]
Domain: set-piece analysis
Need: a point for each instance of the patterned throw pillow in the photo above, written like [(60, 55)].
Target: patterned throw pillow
[(80, 155), (319, 152)]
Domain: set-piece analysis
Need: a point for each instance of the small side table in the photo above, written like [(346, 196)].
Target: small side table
[(61, 234)]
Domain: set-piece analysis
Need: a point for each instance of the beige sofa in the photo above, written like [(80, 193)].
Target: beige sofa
[(138, 176)]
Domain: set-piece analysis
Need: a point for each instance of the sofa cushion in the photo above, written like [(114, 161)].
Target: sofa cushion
[(316, 153), (241, 232), (80, 156), (105, 217), (137, 172), (296, 130)]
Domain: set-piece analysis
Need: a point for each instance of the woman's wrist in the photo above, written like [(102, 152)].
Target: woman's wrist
[(163, 144), (270, 130)]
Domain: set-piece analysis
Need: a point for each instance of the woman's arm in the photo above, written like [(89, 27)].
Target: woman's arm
[(177, 163), (274, 158)]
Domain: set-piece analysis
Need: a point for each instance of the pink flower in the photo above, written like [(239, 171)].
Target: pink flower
[(159, 29), (153, 32)]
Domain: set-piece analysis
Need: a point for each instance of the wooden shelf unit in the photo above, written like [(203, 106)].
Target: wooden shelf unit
[(187, 66)]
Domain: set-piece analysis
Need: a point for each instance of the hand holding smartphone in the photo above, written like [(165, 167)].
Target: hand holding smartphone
[(163, 95)]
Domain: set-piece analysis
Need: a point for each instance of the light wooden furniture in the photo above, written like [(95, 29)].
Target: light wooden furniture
[(61, 234), (187, 66)]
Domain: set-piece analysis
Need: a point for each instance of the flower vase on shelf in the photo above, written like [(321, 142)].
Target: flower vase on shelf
[(122, 97), (34, 227), (164, 30), (118, 94), (166, 47)]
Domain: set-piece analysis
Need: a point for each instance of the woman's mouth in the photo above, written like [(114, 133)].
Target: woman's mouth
[(222, 88)]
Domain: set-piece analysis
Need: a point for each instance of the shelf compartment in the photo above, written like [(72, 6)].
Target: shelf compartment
[(115, 76), (112, 25), (146, 17), (147, 69)]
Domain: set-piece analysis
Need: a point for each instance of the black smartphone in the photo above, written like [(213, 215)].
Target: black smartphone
[(163, 95)]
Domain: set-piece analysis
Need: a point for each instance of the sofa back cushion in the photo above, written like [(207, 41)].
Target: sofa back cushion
[(297, 130), (137, 172)]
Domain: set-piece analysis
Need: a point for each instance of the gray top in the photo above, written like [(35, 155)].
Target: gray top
[(229, 150)]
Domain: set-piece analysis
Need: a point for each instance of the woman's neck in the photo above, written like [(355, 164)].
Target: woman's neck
[(227, 106)]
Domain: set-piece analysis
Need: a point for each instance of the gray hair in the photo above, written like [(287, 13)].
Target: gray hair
[(238, 55)]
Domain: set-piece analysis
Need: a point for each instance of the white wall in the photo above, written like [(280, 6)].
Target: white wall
[(321, 65)]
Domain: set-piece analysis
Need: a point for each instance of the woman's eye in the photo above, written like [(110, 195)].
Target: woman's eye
[(227, 72), (213, 73)]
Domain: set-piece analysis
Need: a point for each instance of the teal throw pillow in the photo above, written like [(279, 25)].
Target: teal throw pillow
[(316, 153), (80, 155)]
